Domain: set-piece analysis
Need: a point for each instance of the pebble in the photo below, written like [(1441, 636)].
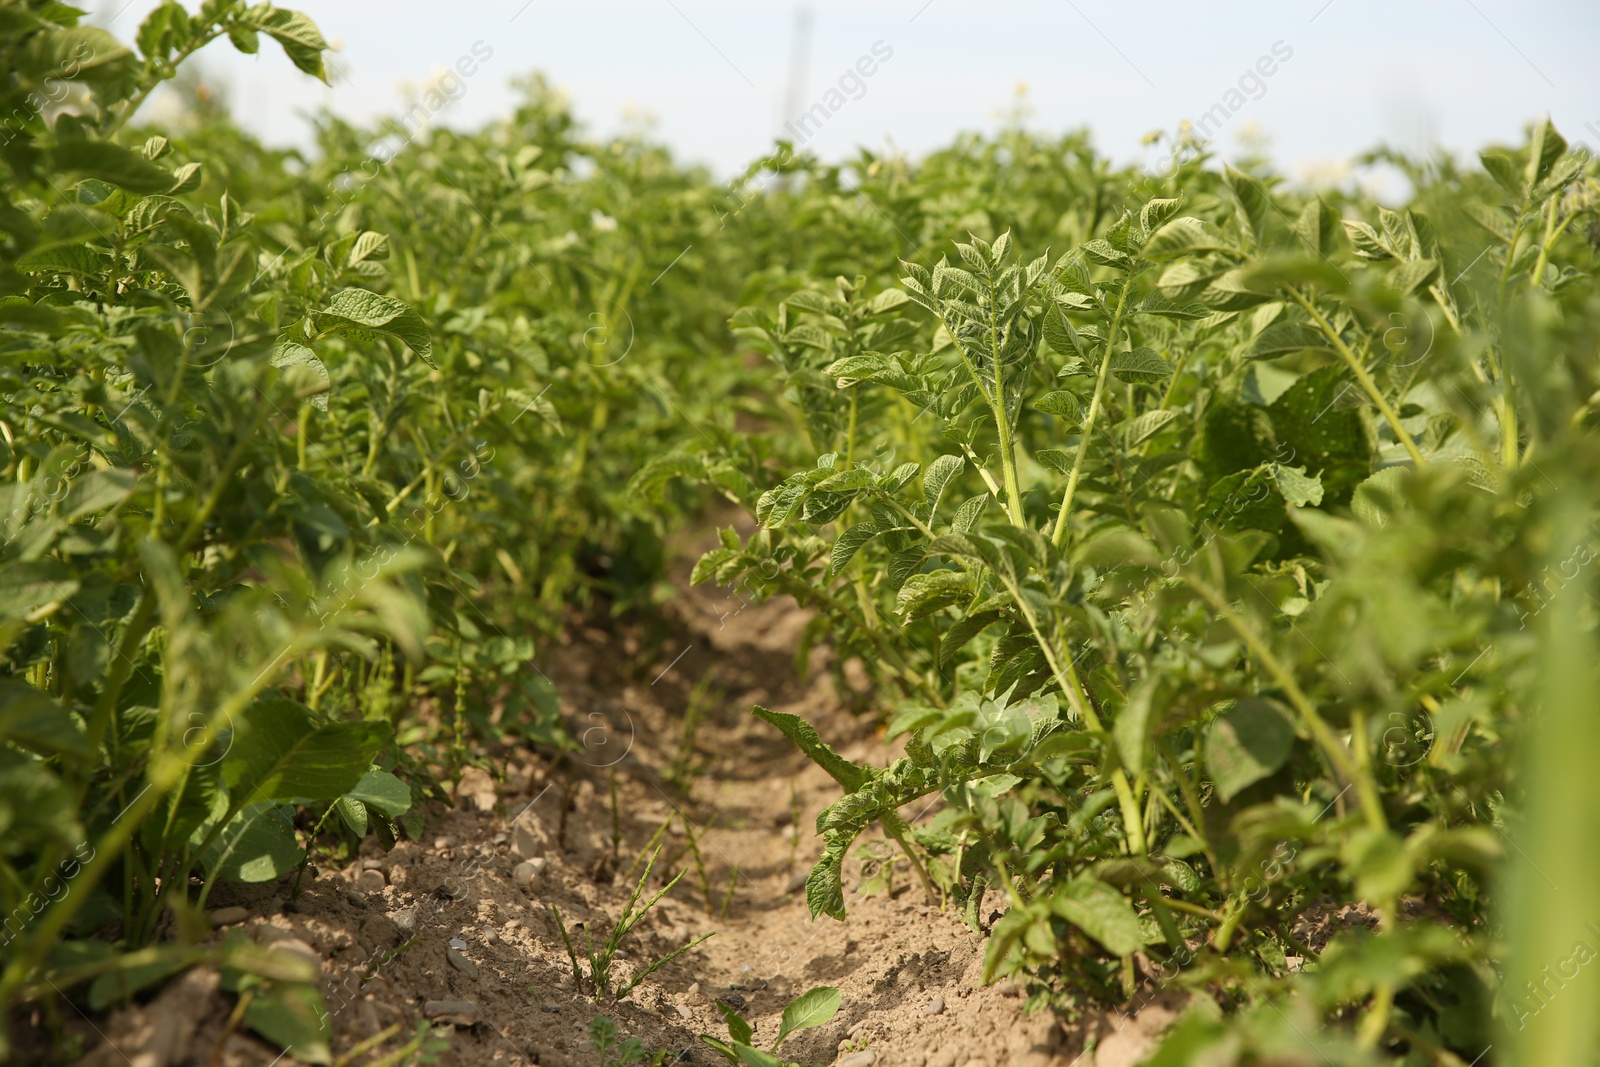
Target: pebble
[(370, 881), (1010, 989), (523, 843), (228, 916), (935, 1007), (296, 947), (527, 872), (460, 962), (371, 864), (455, 1012), (405, 919), (440, 844), (858, 1059)]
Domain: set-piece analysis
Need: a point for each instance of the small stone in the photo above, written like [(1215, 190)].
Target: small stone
[(935, 1007), (736, 1002), (527, 872), (550, 1008), (453, 1012), (524, 843), (501, 838), (371, 881), (460, 962), (228, 916), (683, 1012), (443, 844), (858, 1059), (1010, 989)]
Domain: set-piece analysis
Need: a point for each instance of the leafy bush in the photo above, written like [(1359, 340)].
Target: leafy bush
[(1214, 571), (1206, 557)]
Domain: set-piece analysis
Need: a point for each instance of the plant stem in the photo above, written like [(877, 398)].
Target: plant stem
[(1369, 386), (1336, 750), (1058, 536)]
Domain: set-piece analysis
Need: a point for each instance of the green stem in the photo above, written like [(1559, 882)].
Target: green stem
[(1059, 535), (1368, 385), (1336, 750)]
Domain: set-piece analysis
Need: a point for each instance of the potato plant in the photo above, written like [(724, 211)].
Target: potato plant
[(1206, 569), (1213, 547)]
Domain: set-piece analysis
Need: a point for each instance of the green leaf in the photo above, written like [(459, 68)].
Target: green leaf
[(738, 1029), (805, 736), (1255, 205), (86, 53), (353, 813), (847, 481), (1378, 499), (1367, 243), (1116, 546), (301, 40), (924, 594), (1156, 304), (1149, 424), (1182, 236), (304, 372), (1101, 912), (124, 980), (258, 845), (849, 543), (1056, 459), (1281, 338), (382, 792), (1317, 227), (34, 720), (811, 1009), (1412, 275), (1063, 404), (281, 753), (825, 884), (111, 163), (1142, 365), (360, 313), (1247, 743), (938, 477), (296, 1017), (98, 490), (165, 29), (1295, 486), (1157, 211)]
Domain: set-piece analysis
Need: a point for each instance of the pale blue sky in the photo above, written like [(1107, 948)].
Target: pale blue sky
[(713, 73)]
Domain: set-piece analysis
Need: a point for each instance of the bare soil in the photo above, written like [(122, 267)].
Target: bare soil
[(909, 973)]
